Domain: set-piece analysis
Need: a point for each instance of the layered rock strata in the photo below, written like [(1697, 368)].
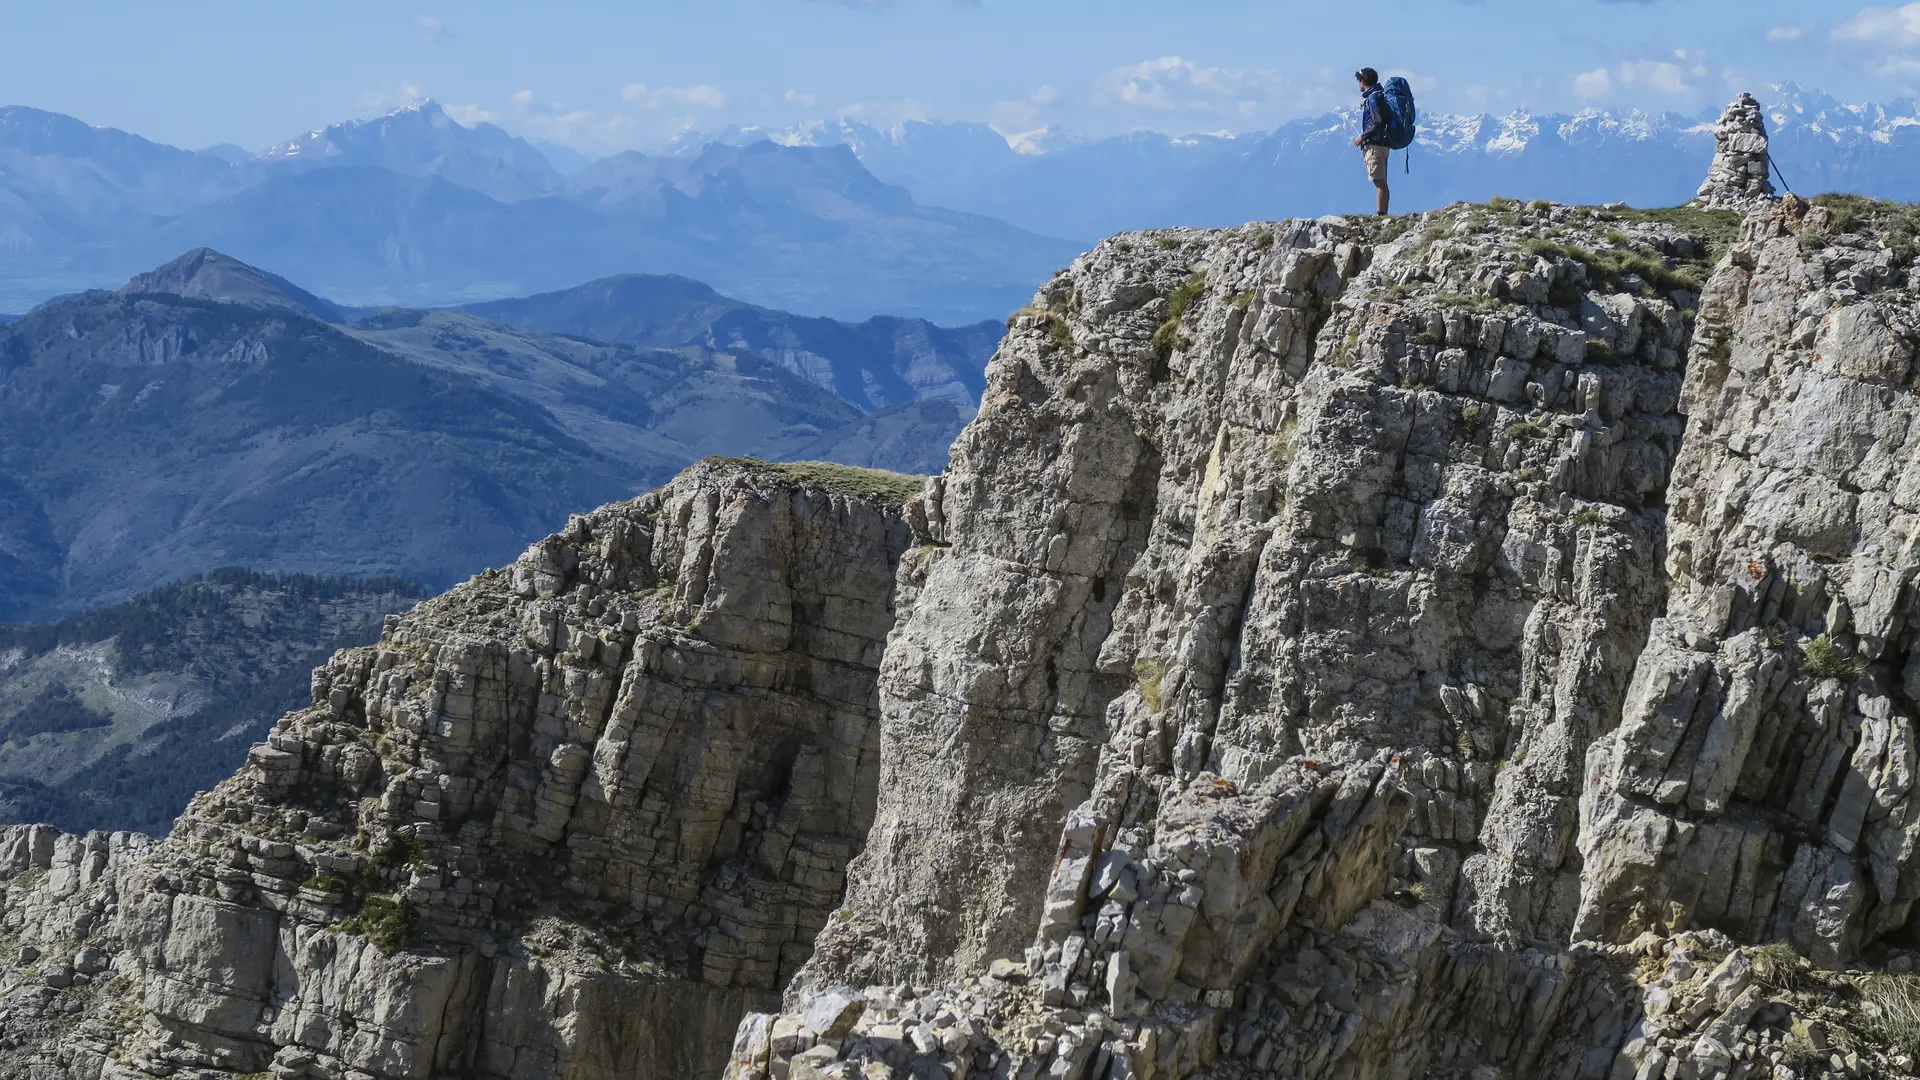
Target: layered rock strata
[(570, 819), (1389, 726)]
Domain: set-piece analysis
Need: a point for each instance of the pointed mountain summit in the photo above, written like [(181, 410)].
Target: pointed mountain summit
[(206, 274), (420, 139)]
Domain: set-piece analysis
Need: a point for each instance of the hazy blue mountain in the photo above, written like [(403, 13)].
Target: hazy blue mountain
[(64, 184), (420, 139), (654, 410), (207, 415), (415, 209), (148, 436), (206, 274), (876, 363), (565, 160), (914, 437)]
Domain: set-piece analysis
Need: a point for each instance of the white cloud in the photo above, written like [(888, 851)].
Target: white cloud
[(1888, 38), (702, 96), (1176, 84), (805, 101), (388, 97), (1882, 27), (468, 114), (1019, 114), (887, 113), (1784, 34), (431, 29), (1669, 80)]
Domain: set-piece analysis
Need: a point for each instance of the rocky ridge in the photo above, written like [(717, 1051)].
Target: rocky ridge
[(574, 813), (1475, 645)]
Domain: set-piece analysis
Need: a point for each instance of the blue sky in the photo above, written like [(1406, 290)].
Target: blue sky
[(608, 76)]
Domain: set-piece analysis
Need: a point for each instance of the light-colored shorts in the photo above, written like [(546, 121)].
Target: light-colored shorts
[(1377, 162)]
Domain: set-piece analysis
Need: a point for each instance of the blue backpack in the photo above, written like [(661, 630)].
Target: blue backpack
[(1400, 113)]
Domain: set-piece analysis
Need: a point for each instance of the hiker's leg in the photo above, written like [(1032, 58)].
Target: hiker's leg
[(1386, 196)]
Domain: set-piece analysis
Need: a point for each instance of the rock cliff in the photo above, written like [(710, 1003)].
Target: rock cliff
[(574, 814), (1475, 645)]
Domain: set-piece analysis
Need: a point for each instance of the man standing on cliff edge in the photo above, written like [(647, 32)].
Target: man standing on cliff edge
[(1375, 118)]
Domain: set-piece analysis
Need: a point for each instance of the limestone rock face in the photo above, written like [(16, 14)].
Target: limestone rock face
[(1346, 657), (1738, 178), (1761, 777), (571, 819)]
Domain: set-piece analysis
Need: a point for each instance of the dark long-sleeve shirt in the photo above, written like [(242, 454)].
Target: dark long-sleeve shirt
[(1373, 117)]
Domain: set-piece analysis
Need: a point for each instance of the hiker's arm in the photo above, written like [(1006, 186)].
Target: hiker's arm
[(1373, 119)]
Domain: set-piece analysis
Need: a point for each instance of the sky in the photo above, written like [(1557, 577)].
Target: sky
[(603, 76)]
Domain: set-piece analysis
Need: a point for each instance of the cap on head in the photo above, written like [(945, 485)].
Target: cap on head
[(1367, 76)]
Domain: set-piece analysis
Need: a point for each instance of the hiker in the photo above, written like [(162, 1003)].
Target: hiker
[(1376, 116)]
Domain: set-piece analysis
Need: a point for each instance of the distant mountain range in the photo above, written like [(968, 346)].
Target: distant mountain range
[(1050, 181), (211, 414), (882, 361), (415, 208), (949, 221)]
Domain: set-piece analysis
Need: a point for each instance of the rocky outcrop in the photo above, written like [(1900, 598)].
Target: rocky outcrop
[(570, 819), (1739, 177), (1761, 778)]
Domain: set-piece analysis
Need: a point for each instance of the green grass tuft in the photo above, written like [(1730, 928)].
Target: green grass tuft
[(1777, 966), (1900, 222), (1166, 338), (1825, 660), (890, 487), (1611, 268), (1147, 675), (1892, 1010)]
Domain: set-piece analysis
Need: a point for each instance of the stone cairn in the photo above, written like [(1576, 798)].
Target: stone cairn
[(1738, 178)]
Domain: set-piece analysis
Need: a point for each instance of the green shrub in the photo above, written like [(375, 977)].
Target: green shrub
[(1588, 515), (1166, 243), (1059, 333), (1524, 429), (1166, 338), (1825, 660), (385, 921), (402, 852)]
